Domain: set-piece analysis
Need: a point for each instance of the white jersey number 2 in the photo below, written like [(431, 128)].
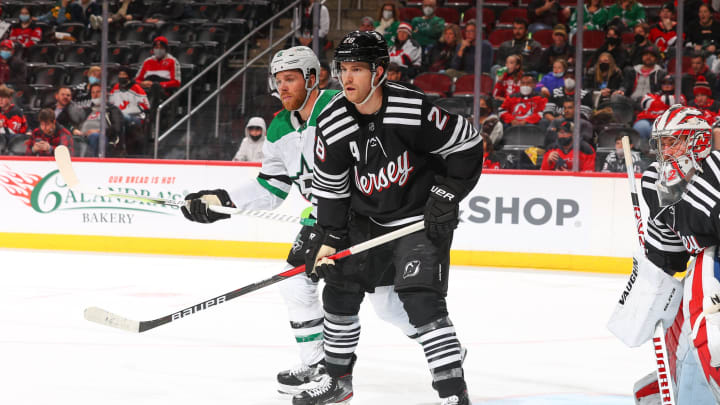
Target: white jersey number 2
[(439, 118)]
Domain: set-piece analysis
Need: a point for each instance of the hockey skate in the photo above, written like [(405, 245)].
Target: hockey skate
[(461, 399), (300, 378), (329, 391)]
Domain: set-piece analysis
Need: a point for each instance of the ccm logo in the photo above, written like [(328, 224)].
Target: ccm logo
[(442, 193)]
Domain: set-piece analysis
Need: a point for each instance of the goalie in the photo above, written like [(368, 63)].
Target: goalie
[(682, 191)]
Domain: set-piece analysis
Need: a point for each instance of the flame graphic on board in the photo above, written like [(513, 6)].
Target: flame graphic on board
[(19, 185)]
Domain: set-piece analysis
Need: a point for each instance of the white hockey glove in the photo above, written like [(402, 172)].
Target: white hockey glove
[(650, 295)]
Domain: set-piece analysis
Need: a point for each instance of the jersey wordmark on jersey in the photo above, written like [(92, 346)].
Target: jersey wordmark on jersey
[(390, 159)]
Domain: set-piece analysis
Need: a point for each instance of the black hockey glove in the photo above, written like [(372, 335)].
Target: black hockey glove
[(320, 244), (196, 205), (442, 210)]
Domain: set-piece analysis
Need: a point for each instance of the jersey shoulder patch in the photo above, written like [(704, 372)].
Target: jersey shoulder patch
[(279, 126)]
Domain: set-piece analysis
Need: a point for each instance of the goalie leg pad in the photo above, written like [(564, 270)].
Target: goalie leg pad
[(650, 295)]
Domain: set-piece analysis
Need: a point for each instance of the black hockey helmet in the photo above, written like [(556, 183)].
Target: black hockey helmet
[(363, 46)]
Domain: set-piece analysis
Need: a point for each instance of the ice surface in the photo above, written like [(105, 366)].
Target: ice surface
[(533, 336)]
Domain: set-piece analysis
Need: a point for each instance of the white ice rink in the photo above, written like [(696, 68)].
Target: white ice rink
[(534, 337)]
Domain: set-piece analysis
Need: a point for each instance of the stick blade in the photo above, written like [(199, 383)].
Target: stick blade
[(103, 317), (64, 164)]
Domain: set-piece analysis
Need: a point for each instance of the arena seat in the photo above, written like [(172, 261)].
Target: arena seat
[(450, 15), (50, 75), (76, 54), (408, 13), (465, 85), (434, 84), (17, 145), (500, 35), (41, 53)]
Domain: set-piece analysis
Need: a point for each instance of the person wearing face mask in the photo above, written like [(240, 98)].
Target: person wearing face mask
[(490, 125), (81, 92), (251, 147), (525, 107), (560, 49), (428, 27), (644, 78), (553, 80), (613, 45), (655, 104), (387, 22), (13, 70), (159, 74), (90, 127), (615, 161), (640, 42), (132, 101), (26, 32), (559, 155), (554, 106), (605, 77)]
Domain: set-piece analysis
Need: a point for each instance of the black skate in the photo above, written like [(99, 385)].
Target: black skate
[(301, 378), (329, 391), (460, 399)]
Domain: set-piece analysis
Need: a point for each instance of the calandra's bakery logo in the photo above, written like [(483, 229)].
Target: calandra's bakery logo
[(49, 193)]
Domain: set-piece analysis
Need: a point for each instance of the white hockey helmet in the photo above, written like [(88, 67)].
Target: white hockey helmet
[(681, 138), (301, 58)]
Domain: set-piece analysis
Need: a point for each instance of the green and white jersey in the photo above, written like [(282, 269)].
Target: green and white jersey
[(287, 160)]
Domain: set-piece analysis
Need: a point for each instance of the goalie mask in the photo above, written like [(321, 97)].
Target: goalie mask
[(681, 139), (363, 46), (299, 58)]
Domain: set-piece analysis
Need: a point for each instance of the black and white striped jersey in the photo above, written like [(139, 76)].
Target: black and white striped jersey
[(687, 227), (383, 165)]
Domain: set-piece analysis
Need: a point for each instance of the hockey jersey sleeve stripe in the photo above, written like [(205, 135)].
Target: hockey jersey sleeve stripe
[(342, 134), (403, 110), (338, 178), (401, 121), (461, 147), (338, 124), (327, 120), (282, 178), (697, 192), (663, 243), (712, 163), (696, 204), (707, 186), (405, 100), (272, 189), (664, 236), (331, 196), (453, 138)]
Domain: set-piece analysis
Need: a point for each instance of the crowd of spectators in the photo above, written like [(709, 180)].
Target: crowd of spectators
[(49, 61), (528, 60)]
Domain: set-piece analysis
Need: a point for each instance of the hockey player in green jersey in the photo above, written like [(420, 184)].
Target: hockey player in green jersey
[(287, 160)]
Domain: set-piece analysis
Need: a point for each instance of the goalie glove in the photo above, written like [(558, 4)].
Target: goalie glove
[(197, 209), (442, 210), (322, 243), (650, 295)]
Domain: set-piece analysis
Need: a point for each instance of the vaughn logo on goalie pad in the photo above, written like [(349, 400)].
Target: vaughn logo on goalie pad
[(412, 268), (198, 307), (630, 283)]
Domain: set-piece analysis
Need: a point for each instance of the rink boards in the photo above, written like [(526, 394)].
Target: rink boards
[(511, 219)]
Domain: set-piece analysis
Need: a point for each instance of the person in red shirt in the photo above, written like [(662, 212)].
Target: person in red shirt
[(509, 83), (26, 33), (12, 119), (559, 156), (663, 34), (45, 139), (159, 75), (525, 107)]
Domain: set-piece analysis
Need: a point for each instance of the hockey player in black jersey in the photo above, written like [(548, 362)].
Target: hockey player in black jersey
[(682, 191), (386, 157)]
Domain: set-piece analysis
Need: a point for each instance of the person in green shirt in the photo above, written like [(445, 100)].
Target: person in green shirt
[(595, 17), (428, 28), (628, 12), (387, 22)]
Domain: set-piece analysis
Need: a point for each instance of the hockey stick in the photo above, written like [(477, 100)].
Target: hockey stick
[(104, 317), (64, 164), (667, 393)]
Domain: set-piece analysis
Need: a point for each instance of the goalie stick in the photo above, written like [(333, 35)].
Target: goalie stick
[(667, 393), (103, 317), (64, 164)]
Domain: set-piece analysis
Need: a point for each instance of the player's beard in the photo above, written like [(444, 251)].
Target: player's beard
[(295, 102)]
